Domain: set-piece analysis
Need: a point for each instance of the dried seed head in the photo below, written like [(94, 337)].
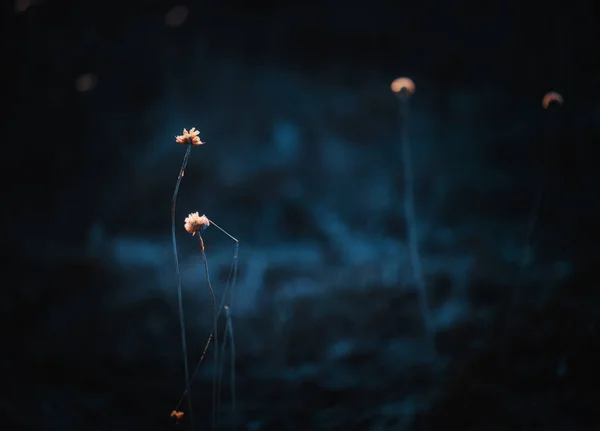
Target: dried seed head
[(177, 415), (189, 138), (551, 96), (406, 84), (195, 223)]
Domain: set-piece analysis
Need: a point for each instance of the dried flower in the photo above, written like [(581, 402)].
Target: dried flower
[(403, 84), (550, 97), (177, 415), (189, 138), (195, 222)]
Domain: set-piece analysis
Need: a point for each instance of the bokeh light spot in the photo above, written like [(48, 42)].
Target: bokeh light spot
[(85, 82), (22, 5), (176, 16)]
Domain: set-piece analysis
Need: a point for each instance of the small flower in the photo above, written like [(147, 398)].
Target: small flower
[(189, 138), (177, 415), (552, 97), (405, 85), (195, 223)]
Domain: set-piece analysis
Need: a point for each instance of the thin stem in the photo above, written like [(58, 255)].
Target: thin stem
[(228, 331), (411, 220), (196, 370), (223, 230), (230, 285), (179, 292), (220, 367), (527, 258), (232, 363), (215, 330)]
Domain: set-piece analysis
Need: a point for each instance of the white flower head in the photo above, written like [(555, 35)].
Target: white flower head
[(189, 138), (195, 223)]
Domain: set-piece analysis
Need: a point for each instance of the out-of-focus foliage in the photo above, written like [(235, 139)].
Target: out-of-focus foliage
[(302, 163)]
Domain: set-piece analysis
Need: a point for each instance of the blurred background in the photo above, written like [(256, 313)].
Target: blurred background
[(304, 164)]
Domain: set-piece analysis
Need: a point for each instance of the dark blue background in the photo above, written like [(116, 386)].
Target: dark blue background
[(302, 163)]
